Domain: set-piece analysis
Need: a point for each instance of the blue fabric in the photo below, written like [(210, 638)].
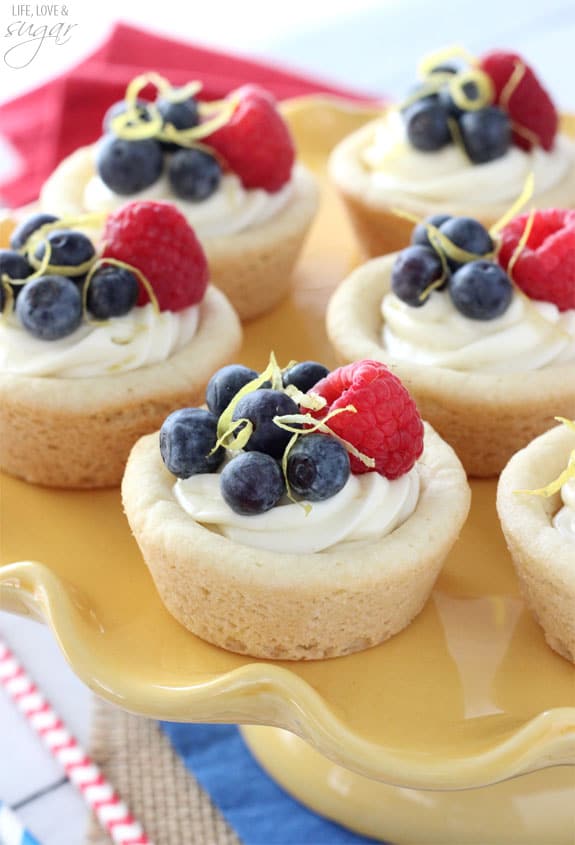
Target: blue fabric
[(258, 810)]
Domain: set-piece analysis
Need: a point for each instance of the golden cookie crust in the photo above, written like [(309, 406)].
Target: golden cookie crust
[(379, 229), (78, 432), (486, 417), (544, 560), (253, 267), (288, 606)]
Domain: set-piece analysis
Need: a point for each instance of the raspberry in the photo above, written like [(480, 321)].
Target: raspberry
[(545, 268), (157, 239), (386, 425), (256, 142), (530, 107)]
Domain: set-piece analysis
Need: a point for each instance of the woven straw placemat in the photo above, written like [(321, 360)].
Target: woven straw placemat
[(153, 781)]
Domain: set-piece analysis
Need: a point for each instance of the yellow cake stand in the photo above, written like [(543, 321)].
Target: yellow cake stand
[(461, 729)]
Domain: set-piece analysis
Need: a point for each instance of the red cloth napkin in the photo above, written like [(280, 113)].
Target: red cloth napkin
[(66, 113)]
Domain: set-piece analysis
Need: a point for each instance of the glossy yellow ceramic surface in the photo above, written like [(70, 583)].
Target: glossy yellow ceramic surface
[(535, 809), (469, 694)]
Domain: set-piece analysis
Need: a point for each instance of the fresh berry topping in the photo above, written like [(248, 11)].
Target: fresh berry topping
[(224, 384), (128, 167), (420, 235), (481, 290), (187, 438), (533, 115), (256, 142), (260, 407), (471, 91), (317, 467), (467, 234), (112, 292), (486, 134), (414, 270), (157, 239), (14, 265), (184, 114), (545, 268), (115, 110), (252, 483), (50, 307), (68, 248), (252, 90), (28, 226), (304, 375), (386, 426), (426, 125), (194, 175), (444, 68), (418, 94), (181, 115)]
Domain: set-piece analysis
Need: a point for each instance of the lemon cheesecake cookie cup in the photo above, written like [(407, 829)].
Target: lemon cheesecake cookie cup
[(536, 506), (462, 143), (323, 559), (488, 365), (89, 363), (230, 167)]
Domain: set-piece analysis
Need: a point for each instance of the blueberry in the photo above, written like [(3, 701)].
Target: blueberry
[(252, 483), (471, 91), (224, 384), (50, 307), (481, 290), (68, 248), (418, 94), (28, 226), (415, 268), (194, 175), (419, 234), (486, 134), (187, 437), (182, 115), (112, 292), (468, 234), (120, 107), (426, 126), (14, 264), (260, 407), (305, 375), (444, 68), (128, 167), (317, 467)]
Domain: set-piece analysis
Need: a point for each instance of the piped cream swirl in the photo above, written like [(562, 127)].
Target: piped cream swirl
[(564, 520), (138, 339), (367, 508), (400, 171), (528, 336), (230, 209)]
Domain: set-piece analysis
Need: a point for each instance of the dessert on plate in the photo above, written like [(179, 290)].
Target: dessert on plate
[(462, 143), (229, 166), (536, 506), (479, 325), (98, 342), (303, 514)]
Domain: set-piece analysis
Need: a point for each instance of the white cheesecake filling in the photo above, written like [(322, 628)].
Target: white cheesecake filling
[(399, 171), (230, 209), (367, 508), (564, 520), (138, 339), (528, 336)]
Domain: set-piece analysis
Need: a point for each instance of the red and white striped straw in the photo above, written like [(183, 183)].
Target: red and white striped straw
[(97, 792)]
